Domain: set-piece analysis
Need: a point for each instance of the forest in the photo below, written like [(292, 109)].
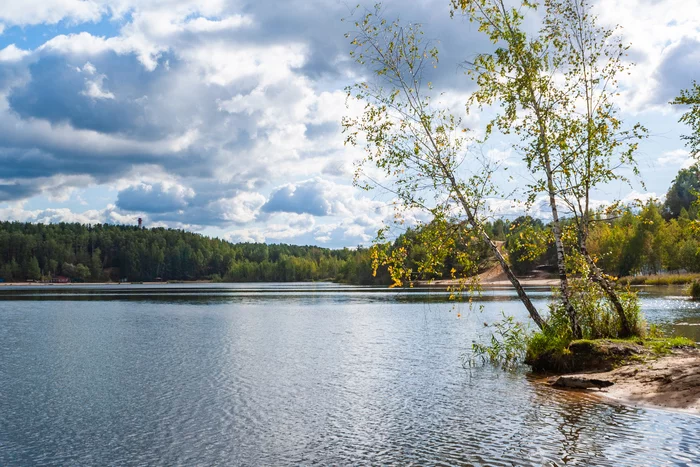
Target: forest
[(96, 253), (652, 238), (638, 239)]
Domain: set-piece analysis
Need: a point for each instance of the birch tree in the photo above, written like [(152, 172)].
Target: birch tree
[(598, 147), (520, 78), (555, 88), (414, 148)]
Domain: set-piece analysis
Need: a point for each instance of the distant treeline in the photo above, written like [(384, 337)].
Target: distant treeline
[(103, 252), (657, 237), (112, 253), (654, 238)]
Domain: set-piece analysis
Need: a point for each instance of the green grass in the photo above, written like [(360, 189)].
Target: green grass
[(555, 353), (664, 345), (658, 345), (660, 279)]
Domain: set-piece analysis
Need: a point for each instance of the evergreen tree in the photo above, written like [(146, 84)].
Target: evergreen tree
[(683, 192), (33, 271)]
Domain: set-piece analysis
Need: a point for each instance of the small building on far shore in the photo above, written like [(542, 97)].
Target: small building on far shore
[(61, 280)]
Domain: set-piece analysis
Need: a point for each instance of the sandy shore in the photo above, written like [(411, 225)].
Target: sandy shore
[(671, 382), (495, 277), (497, 282)]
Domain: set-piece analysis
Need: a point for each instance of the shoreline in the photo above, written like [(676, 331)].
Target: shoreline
[(670, 382), (532, 282), (525, 282), (67, 284), (498, 282)]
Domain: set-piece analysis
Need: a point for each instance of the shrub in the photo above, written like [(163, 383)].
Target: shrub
[(507, 345), (216, 278), (597, 316), (694, 289), (511, 343)]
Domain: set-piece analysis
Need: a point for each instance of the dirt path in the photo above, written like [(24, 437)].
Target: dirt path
[(495, 277)]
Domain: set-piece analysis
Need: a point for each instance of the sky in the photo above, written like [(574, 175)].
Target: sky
[(223, 116)]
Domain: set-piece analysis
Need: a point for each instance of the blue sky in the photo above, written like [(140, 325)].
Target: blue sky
[(222, 116)]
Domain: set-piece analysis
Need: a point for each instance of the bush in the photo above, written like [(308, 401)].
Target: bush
[(597, 317), (694, 289), (507, 345), (216, 278)]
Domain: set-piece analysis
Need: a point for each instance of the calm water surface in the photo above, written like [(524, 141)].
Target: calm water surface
[(299, 374)]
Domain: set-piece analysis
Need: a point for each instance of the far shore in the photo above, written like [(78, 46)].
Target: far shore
[(496, 278), (493, 277), (51, 284), (525, 282)]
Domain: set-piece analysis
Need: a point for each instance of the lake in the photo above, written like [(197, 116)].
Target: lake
[(300, 374)]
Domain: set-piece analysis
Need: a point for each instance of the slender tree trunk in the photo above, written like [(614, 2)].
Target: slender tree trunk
[(597, 274), (561, 267), (543, 147), (522, 295), (556, 229), (599, 277), (516, 283), (449, 175)]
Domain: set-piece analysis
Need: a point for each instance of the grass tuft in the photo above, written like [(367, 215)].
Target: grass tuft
[(660, 279), (664, 346), (694, 289)]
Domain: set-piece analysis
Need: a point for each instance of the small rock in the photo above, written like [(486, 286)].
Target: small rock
[(576, 382)]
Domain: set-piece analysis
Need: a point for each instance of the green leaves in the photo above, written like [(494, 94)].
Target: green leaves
[(414, 150), (691, 98), (507, 345)]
